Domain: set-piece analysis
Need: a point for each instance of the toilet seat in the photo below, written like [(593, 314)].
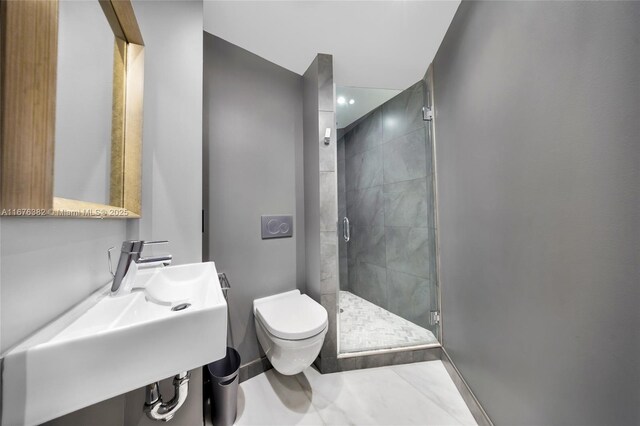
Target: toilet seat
[(291, 316)]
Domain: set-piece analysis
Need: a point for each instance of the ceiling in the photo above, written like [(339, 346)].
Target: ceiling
[(379, 44), (364, 101)]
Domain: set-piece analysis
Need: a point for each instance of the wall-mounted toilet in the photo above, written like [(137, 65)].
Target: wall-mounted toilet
[(291, 328)]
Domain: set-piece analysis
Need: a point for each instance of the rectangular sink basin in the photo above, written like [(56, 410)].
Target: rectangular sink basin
[(108, 345)]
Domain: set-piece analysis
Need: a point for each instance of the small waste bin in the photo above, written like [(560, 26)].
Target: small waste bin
[(224, 379)]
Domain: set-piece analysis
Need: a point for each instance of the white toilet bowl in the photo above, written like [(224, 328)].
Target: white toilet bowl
[(291, 329)]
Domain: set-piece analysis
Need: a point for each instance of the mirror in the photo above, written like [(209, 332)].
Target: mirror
[(84, 98), (71, 125)]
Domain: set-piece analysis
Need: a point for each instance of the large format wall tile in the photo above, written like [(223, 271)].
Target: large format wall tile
[(328, 262), (403, 113), (325, 83), (342, 192), (352, 274), (368, 245), (365, 207), (408, 250), (343, 271), (327, 152), (330, 303), (328, 201), (387, 173), (371, 283), (407, 203), (408, 296), (364, 170), (422, 306), (366, 135), (406, 158)]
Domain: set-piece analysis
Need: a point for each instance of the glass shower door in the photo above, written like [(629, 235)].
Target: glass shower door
[(387, 263)]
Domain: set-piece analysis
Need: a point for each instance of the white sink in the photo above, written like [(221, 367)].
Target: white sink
[(108, 345)]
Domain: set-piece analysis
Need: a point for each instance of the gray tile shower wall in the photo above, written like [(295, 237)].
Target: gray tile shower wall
[(321, 199), (388, 197)]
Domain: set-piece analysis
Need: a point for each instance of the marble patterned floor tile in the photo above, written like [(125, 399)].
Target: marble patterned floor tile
[(432, 380), (413, 394), (365, 326), (371, 397), (274, 399)]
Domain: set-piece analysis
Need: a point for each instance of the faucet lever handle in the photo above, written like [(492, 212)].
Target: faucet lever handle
[(110, 263), (152, 243)]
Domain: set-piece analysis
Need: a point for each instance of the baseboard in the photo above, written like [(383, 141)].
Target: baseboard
[(253, 368), (481, 416)]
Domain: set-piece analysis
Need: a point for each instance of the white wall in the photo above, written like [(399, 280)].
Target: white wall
[(172, 163), (172, 156), (48, 265)]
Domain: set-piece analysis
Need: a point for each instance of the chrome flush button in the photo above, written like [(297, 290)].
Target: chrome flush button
[(276, 226)]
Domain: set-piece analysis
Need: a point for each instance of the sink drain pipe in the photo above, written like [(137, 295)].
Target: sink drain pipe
[(156, 409)]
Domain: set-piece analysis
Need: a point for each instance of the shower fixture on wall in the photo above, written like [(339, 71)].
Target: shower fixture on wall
[(427, 113)]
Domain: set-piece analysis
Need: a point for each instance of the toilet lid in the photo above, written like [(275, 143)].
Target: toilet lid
[(293, 317)]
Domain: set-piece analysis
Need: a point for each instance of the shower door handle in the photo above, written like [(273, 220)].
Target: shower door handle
[(346, 229)]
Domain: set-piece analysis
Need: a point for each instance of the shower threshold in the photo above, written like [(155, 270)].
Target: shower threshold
[(365, 327)]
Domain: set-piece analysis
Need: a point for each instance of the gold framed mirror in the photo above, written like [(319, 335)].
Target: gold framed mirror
[(29, 32)]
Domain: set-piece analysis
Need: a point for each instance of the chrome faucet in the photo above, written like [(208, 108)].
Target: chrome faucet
[(131, 251)]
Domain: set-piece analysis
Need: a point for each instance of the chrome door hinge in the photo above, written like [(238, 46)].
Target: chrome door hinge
[(434, 318), (427, 113)]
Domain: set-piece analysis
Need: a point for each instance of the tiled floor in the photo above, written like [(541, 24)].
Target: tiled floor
[(411, 394), (365, 327)]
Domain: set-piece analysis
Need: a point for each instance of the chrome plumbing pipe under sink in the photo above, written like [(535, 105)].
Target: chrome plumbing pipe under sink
[(156, 409)]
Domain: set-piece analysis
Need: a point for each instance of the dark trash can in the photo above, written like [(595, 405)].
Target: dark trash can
[(224, 381)]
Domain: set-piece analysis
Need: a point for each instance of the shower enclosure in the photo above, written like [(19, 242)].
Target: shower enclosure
[(388, 285)]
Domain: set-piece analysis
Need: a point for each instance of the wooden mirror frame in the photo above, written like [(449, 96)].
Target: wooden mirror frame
[(28, 78)]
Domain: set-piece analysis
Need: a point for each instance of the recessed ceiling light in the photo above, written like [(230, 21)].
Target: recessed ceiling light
[(352, 101), (341, 100)]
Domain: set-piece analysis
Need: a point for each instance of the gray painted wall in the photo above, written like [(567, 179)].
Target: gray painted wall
[(388, 192), (253, 167), (538, 161), (48, 265)]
